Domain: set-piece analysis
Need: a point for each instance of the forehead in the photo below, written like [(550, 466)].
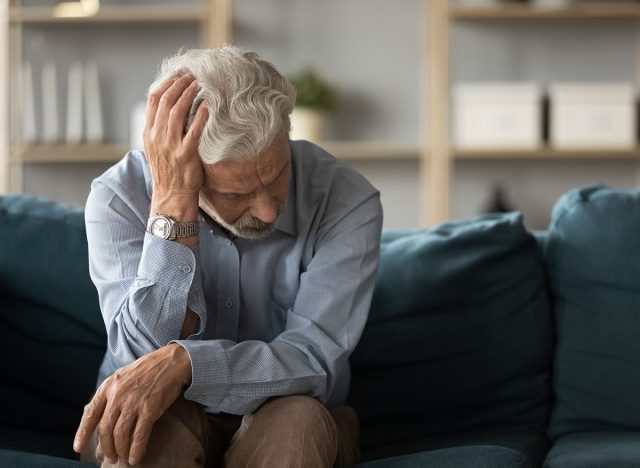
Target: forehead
[(246, 176)]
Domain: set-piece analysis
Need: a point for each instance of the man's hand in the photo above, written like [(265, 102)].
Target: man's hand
[(128, 403), (172, 154)]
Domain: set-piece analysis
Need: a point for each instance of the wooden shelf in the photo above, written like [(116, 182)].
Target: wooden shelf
[(370, 150), (593, 11), (348, 150), (67, 153), (112, 15), (546, 154)]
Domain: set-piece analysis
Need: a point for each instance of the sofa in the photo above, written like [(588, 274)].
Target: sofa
[(487, 346)]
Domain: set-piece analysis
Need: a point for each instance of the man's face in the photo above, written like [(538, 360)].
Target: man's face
[(246, 198)]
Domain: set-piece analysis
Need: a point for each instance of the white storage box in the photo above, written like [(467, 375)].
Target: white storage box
[(497, 116), (592, 116)]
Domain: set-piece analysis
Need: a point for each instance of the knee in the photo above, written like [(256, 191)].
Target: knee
[(305, 415)]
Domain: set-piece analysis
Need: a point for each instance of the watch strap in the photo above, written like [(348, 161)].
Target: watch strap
[(188, 229)]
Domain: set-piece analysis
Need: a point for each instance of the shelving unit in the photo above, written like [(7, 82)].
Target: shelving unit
[(438, 168), (213, 18)]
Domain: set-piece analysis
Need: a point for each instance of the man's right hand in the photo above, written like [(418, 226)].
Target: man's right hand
[(172, 154)]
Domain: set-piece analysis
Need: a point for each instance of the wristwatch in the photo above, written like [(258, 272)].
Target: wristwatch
[(167, 228)]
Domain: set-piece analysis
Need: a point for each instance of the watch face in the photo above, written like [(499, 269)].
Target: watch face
[(160, 227)]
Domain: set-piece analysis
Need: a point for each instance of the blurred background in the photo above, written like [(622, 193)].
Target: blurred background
[(450, 108)]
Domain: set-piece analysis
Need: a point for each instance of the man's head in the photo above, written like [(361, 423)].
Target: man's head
[(244, 145)]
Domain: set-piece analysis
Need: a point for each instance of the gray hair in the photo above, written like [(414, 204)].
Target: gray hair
[(249, 101)]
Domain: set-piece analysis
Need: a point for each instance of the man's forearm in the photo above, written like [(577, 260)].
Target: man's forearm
[(183, 209)]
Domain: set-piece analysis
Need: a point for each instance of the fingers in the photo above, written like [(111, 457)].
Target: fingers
[(154, 100), (122, 434), (179, 112), (192, 138), (90, 419), (168, 101), (105, 434), (140, 439)]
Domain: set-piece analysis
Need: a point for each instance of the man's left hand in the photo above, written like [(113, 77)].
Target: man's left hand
[(128, 403)]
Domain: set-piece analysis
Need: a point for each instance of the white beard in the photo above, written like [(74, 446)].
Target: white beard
[(245, 228)]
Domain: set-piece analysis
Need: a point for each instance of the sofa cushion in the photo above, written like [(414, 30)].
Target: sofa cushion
[(51, 329), (44, 257), (459, 333), (483, 456), (592, 254), (596, 450)]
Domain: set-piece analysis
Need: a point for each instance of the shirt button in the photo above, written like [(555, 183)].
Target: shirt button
[(228, 303), (200, 397), (185, 268), (229, 243)]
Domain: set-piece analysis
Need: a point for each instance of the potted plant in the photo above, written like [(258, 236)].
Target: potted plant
[(315, 98)]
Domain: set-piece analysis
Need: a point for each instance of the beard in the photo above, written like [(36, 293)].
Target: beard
[(247, 227)]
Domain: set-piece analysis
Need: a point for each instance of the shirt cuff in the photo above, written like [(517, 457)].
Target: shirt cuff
[(210, 374), (170, 263)]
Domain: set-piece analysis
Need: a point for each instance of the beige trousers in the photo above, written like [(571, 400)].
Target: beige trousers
[(285, 432)]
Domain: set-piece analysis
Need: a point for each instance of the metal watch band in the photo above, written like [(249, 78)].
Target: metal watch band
[(186, 229)]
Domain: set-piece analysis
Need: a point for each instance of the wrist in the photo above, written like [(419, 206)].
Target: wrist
[(182, 362), (182, 207)]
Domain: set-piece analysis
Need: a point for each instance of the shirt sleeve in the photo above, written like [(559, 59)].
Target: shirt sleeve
[(145, 283), (322, 328)]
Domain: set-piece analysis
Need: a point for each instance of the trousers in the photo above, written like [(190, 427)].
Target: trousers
[(286, 432)]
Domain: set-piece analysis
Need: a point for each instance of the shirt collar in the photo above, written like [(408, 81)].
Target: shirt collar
[(287, 222)]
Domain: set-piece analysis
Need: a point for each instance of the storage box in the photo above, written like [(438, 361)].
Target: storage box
[(592, 116), (497, 116)]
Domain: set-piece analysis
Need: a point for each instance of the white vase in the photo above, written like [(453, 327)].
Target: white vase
[(307, 124)]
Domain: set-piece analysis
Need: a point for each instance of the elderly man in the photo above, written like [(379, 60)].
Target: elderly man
[(235, 270)]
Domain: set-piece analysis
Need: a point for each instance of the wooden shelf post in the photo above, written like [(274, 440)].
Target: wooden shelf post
[(435, 167), (218, 29), (4, 98)]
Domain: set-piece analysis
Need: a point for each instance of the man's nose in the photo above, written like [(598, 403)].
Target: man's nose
[(265, 207)]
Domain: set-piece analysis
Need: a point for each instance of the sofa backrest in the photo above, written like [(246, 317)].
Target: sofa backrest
[(592, 254), (51, 335), (459, 336)]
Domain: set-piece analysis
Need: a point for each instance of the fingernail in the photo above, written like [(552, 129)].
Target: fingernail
[(112, 461)]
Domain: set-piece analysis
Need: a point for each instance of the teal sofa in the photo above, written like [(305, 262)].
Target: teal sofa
[(487, 346)]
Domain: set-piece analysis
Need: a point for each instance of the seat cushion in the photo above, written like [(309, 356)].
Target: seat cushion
[(596, 450), (459, 333), (592, 253), (460, 457), (13, 459), (534, 446), (48, 443)]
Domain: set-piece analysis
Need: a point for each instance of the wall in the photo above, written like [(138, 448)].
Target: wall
[(372, 51)]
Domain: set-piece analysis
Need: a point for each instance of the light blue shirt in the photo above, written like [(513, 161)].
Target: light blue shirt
[(278, 316)]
